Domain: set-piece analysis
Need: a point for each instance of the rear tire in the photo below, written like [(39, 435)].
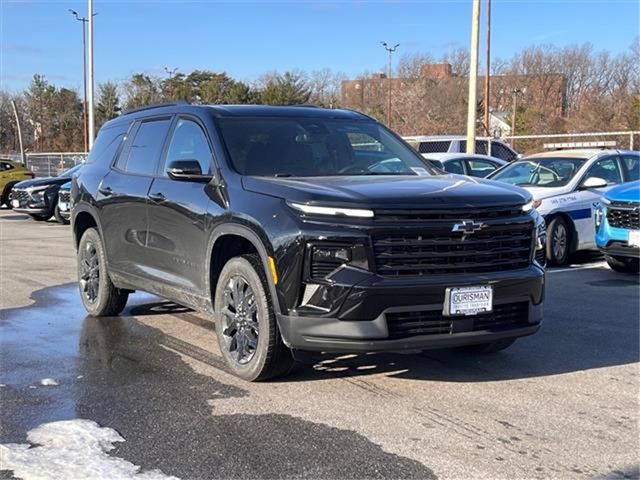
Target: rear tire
[(623, 264), (246, 324), (491, 347), (558, 241), (59, 217), (99, 296), (7, 195)]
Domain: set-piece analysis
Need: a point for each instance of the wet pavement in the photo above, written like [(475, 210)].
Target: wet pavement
[(563, 403)]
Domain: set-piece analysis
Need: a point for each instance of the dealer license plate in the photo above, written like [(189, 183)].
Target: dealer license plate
[(468, 300), (15, 203), (64, 206), (634, 238)]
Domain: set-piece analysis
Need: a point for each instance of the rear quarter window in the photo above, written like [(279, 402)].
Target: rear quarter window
[(107, 145)]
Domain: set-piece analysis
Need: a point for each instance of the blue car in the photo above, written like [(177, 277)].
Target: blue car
[(617, 222)]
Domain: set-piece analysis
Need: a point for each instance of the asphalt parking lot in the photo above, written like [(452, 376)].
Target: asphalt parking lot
[(561, 404)]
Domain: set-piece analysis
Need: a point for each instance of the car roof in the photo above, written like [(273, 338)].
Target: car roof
[(578, 153), (447, 156), (304, 111)]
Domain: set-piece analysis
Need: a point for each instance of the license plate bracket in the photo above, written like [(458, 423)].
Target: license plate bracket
[(467, 301)]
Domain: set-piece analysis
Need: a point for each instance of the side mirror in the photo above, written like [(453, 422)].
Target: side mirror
[(593, 182), (187, 170)]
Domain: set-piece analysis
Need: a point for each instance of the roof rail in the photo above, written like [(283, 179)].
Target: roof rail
[(156, 105)]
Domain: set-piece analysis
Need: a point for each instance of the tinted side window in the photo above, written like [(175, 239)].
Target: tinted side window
[(454, 166), (430, 147), (189, 142), (106, 145), (4, 166), (146, 147), (479, 167), (607, 168), (632, 164)]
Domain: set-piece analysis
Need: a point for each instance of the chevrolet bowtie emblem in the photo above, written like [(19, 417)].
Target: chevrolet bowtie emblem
[(468, 226)]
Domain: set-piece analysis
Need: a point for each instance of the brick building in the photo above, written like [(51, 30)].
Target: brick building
[(544, 93)]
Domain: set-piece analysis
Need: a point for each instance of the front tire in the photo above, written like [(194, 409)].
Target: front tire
[(59, 218), (623, 264), (7, 196), (246, 325), (99, 296), (558, 242)]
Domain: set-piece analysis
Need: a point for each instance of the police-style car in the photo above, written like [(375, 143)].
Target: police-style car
[(564, 185)]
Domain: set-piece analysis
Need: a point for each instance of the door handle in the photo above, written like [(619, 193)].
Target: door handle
[(106, 191), (157, 197)]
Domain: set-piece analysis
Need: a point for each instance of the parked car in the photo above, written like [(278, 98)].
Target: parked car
[(10, 174), (564, 185), (617, 224), (63, 211), (294, 237), (39, 197), (458, 144), (465, 164)]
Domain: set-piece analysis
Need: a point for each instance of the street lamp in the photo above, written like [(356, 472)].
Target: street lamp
[(84, 73), (171, 72), (390, 50)]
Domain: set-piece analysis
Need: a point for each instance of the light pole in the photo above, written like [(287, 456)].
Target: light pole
[(171, 72), (390, 50), (84, 74), (473, 78), (487, 78), (92, 125), (516, 92)]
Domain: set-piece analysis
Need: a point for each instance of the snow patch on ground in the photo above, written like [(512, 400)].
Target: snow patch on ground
[(49, 382), (73, 449)]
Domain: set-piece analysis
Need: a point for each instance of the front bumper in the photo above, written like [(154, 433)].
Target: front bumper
[(614, 241), (354, 330), (32, 211)]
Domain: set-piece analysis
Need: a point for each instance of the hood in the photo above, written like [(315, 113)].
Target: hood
[(540, 193), (66, 186), (627, 192), (391, 191), (42, 182)]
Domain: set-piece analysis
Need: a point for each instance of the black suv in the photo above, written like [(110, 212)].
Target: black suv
[(301, 228)]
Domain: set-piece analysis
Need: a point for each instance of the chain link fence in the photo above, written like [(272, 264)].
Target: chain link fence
[(48, 164)]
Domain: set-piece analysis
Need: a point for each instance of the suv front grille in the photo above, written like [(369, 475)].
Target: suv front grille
[(495, 248), (22, 196), (420, 216), (65, 196), (432, 322), (624, 215)]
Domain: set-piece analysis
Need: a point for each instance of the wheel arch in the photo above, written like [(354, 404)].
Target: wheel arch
[(82, 219), (243, 240), (7, 188), (573, 232)]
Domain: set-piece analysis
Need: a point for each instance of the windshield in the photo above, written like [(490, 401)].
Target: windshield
[(71, 171), (310, 147), (540, 172)]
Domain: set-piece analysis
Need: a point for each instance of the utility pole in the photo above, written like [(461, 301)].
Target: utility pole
[(15, 112), (390, 50), (473, 78), (487, 78), (92, 125), (84, 74), (171, 72), (515, 92)]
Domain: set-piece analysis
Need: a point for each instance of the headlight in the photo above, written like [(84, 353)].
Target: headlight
[(335, 211), (527, 207), (598, 213)]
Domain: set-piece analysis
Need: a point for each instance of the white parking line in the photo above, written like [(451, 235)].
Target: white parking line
[(578, 267)]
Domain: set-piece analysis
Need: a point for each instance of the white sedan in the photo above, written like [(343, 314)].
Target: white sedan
[(564, 185), (472, 165)]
